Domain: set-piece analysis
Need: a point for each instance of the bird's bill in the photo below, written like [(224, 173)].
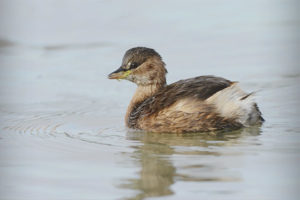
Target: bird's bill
[(120, 73)]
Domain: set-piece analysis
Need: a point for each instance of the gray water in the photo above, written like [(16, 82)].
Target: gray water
[(62, 132)]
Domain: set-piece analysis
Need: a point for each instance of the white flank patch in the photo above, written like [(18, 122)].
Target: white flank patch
[(229, 104)]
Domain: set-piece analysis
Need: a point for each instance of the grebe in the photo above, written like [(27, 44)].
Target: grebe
[(203, 103)]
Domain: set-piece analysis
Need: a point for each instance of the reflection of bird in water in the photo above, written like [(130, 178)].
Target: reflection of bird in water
[(157, 173), (155, 155), (204, 103)]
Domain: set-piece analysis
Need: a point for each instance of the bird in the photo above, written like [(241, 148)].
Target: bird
[(199, 104)]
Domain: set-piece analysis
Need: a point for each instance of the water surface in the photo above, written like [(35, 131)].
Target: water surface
[(62, 133)]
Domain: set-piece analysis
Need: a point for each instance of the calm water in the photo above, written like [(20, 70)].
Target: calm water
[(62, 133)]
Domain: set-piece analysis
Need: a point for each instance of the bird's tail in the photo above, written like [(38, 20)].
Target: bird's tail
[(232, 102)]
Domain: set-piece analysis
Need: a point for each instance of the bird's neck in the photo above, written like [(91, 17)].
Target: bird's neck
[(142, 93)]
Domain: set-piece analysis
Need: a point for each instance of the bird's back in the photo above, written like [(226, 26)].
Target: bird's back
[(195, 105)]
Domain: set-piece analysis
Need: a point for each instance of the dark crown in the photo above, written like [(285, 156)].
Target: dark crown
[(138, 55)]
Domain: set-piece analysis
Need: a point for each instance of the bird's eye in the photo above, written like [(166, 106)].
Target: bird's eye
[(133, 65), (130, 65)]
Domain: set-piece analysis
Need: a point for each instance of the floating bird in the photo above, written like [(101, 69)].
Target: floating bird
[(203, 103)]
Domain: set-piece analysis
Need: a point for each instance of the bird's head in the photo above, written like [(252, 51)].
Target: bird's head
[(143, 66)]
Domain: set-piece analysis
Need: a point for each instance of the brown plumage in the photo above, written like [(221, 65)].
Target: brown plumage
[(204, 103)]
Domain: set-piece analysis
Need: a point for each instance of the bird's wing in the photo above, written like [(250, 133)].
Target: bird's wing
[(197, 89)]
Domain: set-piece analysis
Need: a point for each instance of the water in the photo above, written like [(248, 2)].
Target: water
[(62, 127)]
